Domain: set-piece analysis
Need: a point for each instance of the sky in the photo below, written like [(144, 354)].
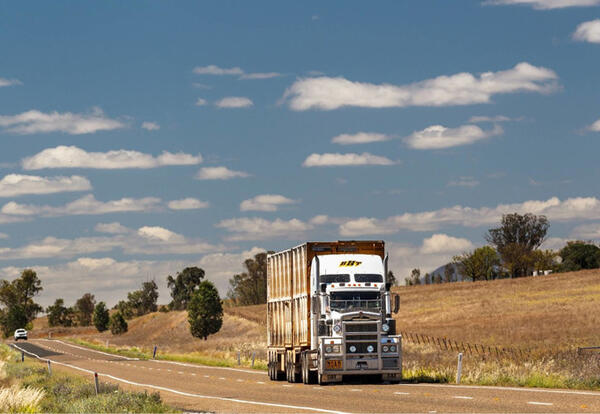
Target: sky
[(138, 139)]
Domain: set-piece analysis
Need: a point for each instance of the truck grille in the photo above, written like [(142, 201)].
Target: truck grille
[(361, 337), (390, 362), (361, 347), (361, 327)]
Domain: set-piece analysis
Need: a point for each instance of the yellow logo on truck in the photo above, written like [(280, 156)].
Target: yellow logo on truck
[(350, 263)]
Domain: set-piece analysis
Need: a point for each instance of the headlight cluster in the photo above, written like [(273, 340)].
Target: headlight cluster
[(385, 327), (332, 349), (388, 348), (337, 328)]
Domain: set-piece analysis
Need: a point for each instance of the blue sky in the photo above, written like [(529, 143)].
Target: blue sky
[(139, 139)]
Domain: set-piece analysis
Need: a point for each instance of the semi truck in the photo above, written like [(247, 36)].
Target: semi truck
[(329, 313)]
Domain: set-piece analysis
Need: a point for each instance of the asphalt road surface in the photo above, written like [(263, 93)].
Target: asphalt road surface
[(202, 388)]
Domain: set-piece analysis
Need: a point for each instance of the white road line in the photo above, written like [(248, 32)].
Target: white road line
[(402, 393), (462, 397), (240, 380), (259, 382), (538, 403), (221, 378), (486, 387), (207, 376), (355, 390), (287, 385), (87, 349), (186, 394)]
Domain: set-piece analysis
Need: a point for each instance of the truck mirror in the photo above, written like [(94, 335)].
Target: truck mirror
[(396, 303)]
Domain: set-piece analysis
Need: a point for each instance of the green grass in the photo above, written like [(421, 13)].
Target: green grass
[(68, 393), (194, 358)]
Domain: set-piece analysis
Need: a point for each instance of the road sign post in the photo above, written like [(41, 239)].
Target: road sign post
[(96, 384), (459, 368)]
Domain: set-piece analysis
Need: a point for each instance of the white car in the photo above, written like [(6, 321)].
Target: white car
[(20, 334)]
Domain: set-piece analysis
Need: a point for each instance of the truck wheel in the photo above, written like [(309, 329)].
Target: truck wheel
[(320, 380), (305, 369)]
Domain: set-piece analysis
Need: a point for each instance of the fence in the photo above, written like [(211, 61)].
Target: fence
[(465, 347)]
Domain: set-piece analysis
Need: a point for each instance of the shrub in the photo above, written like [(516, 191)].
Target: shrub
[(117, 324), (101, 317), (205, 311)]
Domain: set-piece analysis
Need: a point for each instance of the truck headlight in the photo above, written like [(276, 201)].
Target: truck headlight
[(370, 348), (337, 328), (385, 327), (352, 348), (336, 349), (392, 348), (329, 349), (385, 348)]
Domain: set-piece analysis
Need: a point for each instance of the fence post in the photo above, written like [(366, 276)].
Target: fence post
[(49, 335), (154, 352), (239, 358), (253, 356), (22, 356), (96, 384), (107, 343), (459, 368), (49, 368)]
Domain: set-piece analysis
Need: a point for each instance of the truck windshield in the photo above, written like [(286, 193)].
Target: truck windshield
[(334, 278), (355, 300), (368, 277)]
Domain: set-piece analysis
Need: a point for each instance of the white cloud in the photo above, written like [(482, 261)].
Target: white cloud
[(464, 182), (595, 126), (86, 205), (147, 240), (545, 4), (265, 202), (4, 236), (588, 31), (442, 243), (219, 173), (360, 138), (497, 118), (328, 93), (187, 204), (111, 228), (587, 232), (158, 233), (579, 208), (234, 102), (438, 136), (349, 159), (215, 70), (34, 122), (17, 184), (74, 157), (9, 82), (259, 75), (201, 102), (150, 126), (254, 228)]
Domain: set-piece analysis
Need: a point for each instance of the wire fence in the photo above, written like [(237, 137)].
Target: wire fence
[(447, 344)]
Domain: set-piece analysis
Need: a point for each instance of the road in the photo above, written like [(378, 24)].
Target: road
[(202, 388)]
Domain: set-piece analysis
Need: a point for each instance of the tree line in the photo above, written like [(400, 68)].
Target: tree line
[(513, 250)]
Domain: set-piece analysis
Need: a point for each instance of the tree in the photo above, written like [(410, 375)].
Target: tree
[(125, 308), (250, 287), (437, 278), (117, 324), (84, 309), (205, 311), (449, 272), (577, 255), (544, 260), (481, 264), (19, 309), (391, 279), (183, 286), (515, 239), (143, 301), (101, 317), (427, 279), (415, 276), (59, 315)]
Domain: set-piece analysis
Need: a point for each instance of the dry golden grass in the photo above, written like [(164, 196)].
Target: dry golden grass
[(557, 311)]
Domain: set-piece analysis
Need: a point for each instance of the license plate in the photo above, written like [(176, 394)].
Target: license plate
[(333, 364)]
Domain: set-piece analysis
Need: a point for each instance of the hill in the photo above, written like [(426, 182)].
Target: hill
[(555, 311)]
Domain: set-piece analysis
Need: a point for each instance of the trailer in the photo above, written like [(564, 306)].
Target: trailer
[(329, 313)]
